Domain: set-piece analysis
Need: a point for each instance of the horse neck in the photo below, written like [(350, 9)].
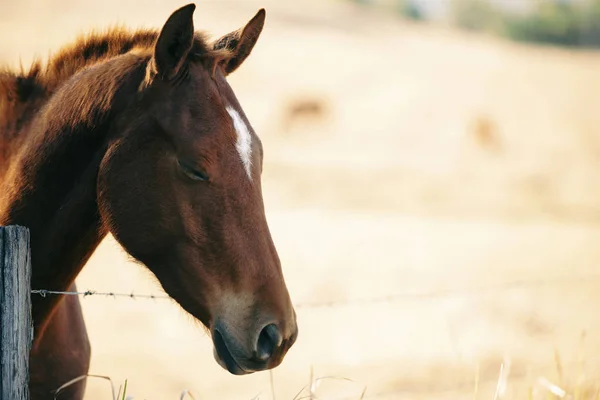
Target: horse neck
[(50, 186)]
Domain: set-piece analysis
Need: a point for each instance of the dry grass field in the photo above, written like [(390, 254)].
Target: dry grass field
[(458, 174)]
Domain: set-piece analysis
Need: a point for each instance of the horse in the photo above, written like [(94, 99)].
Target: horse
[(138, 134)]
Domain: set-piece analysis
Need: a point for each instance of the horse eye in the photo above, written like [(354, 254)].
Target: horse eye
[(192, 173)]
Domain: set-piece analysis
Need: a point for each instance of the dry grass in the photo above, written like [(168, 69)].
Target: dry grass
[(568, 385)]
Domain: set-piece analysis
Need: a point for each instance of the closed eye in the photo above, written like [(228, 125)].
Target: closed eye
[(192, 173)]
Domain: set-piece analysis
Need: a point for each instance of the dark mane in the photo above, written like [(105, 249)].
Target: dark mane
[(88, 50), (23, 91)]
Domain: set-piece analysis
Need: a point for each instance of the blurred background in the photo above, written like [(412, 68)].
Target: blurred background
[(432, 183)]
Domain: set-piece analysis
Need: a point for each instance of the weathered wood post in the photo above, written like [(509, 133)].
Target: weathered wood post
[(16, 329)]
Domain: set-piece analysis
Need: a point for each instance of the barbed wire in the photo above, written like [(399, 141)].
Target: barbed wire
[(44, 293), (467, 290), (390, 298)]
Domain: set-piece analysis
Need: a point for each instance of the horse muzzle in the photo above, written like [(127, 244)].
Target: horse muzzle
[(264, 350)]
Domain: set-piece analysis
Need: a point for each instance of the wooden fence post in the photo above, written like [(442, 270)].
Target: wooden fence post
[(16, 328)]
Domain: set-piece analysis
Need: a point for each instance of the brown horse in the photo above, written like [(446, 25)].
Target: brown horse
[(138, 134)]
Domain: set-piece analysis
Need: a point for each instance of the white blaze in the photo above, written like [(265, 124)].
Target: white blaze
[(244, 140)]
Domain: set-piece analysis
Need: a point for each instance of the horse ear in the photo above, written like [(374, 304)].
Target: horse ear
[(241, 42), (174, 42)]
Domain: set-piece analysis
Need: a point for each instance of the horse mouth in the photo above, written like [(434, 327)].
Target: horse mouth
[(225, 358)]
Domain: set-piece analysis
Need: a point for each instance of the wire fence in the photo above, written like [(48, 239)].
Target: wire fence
[(388, 298)]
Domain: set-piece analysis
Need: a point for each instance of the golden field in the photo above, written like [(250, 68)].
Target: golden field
[(457, 175)]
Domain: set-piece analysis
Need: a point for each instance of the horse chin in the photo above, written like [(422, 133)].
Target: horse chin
[(230, 365)]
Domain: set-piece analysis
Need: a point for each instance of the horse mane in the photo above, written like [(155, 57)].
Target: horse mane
[(22, 91)]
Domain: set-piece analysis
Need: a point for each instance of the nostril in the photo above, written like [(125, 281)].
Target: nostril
[(269, 339)]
